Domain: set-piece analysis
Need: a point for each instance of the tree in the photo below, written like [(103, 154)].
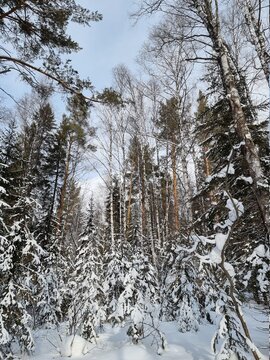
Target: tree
[(140, 162), (75, 136), (165, 61), (225, 169), (86, 309), (22, 274), (256, 30), (206, 14), (5, 264), (169, 124), (185, 290), (36, 32), (235, 149)]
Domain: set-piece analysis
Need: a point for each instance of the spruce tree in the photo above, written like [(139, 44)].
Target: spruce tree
[(86, 310)]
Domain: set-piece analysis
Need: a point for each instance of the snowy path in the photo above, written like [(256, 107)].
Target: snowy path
[(114, 344)]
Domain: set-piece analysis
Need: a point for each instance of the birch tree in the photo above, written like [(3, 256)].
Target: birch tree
[(210, 45)]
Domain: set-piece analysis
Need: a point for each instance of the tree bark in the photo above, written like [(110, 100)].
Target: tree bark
[(211, 22), (257, 38), (64, 188), (175, 190)]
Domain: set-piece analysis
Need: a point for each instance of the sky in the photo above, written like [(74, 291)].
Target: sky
[(105, 44), (112, 41)]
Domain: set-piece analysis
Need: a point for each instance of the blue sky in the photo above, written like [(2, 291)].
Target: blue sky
[(112, 41), (107, 43)]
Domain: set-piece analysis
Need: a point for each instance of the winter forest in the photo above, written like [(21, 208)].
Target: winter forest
[(168, 256)]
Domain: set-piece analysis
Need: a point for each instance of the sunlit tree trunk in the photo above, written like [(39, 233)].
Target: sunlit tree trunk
[(210, 18), (257, 35), (175, 189)]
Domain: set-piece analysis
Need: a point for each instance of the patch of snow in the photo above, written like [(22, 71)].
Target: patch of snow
[(215, 256), (237, 146), (230, 269), (260, 250), (114, 344), (75, 346), (246, 179), (220, 240)]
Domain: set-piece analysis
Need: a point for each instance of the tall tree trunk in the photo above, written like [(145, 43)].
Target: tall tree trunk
[(111, 190), (188, 191), (175, 189), (50, 214), (166, 196), (155, 210), (129, 206), (211, 21), (64, 188), (143, 190), (257, 37), (123, 190), (157, 200)]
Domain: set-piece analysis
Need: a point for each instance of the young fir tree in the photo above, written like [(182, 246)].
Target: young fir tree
[(115, 269), (6, 252), (86, 310), (22, 274), (133, 296), (186, 294), (140, 297)]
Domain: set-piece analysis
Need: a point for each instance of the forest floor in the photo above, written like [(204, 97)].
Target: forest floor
[(114, 344)]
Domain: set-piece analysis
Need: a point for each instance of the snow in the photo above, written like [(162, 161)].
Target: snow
[(75, 346), (236, 209), (260, 250), (114, 343), (220, 240), (2, 190), (215, 256), (230, 269), (228, 169), (247, 179)]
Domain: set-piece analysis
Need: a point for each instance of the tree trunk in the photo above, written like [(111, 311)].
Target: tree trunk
[(257, 38), (111, 191), (64, 188), (175, 190), (251, 152), (211, 21), (129, 206)]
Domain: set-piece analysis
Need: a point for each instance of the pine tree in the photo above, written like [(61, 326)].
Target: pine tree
[(43, 36)]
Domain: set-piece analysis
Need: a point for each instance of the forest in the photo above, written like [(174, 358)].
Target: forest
[(176, 242)]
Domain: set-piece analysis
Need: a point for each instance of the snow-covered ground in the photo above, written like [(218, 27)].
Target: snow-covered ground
[(114, 344)]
